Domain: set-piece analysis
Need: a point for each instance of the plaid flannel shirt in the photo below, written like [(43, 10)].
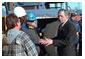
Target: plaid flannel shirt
[(21, 46)]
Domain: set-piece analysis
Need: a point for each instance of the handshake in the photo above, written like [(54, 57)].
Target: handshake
[(46, 41)]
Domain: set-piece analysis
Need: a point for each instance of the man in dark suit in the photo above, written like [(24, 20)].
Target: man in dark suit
[(65, 40)]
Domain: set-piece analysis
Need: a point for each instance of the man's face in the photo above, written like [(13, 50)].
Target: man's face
[(73, 17), (77, 18), (62, 17), (22, 19), (32, 23)]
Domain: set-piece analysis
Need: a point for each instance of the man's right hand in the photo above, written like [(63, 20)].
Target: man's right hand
[(46, 41)]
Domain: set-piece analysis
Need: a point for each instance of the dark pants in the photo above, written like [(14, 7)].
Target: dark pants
[(80, 47)]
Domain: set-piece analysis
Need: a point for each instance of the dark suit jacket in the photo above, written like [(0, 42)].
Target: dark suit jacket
[(65, 40)]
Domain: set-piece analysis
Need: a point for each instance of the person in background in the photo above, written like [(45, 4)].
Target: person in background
[(65, 40), (77, 27), (30, 28), (79, 20), (80, 37), (21, 13), (17, 43)]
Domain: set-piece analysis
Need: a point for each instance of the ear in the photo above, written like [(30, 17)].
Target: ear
[(17, 24)]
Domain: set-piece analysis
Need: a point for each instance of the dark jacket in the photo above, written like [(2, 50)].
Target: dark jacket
[(77, 27), (31, 32), (65, 40)]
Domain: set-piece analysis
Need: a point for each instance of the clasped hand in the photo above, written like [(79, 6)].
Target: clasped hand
[(46, 41)]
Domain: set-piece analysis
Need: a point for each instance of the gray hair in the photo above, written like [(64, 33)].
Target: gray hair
[(65, 12)]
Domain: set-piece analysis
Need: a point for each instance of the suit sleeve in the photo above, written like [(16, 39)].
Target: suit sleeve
[(69, 39)]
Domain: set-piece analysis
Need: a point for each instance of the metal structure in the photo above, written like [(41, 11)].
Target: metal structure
[(40, 9), (44, 12)]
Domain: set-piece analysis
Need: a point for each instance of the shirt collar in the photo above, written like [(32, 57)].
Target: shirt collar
[(64, 23)]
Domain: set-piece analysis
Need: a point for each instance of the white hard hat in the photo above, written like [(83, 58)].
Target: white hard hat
[(19, 11)]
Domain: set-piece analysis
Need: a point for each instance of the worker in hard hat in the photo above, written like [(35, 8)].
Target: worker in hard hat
[(21, 13), (30, 29)]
